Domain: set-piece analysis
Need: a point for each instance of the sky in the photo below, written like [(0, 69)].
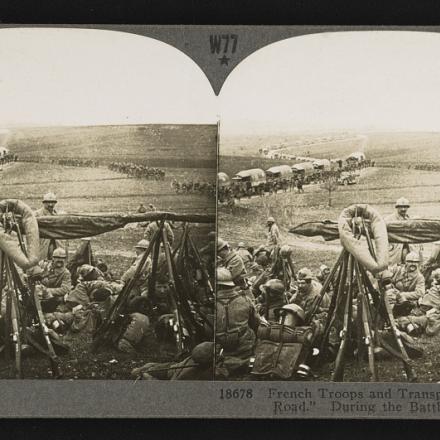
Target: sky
[(373, 80), (334, 81), (93, 77)]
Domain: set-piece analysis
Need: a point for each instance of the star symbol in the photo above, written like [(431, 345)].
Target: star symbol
[(224, 60)]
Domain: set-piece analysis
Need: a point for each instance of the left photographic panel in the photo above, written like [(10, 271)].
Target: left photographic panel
[(108, 146)]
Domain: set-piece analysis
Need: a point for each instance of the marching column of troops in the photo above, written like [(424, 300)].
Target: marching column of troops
[(261, 287), (138, 170)]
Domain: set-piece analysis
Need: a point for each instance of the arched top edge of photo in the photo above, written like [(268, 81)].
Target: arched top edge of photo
[(99, 77)]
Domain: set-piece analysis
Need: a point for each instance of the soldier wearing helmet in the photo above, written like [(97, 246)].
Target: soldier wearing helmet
[(231, 261), (244, 254), (56, 279), (408, 282), (272, 298), (308, 292), (141, 285), (273, 237), (153, 227), (236, 323), (48, 245), (398, 251), (432, 297), (90, 281), (284, 265)]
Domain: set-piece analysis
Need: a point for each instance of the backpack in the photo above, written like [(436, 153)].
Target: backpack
[(281, 350), (230, 338)]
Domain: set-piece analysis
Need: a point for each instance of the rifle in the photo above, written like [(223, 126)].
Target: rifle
[(117, 310), (338, 373), (173, 295), (363, 304)]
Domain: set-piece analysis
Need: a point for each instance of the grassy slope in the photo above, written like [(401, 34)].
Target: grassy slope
[(132, 142)]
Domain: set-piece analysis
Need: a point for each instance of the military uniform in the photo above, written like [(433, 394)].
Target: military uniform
[(141, 286), (273, 236), (235, 265), (47, 245), (395, 250), (58, 282), (236, 323), (411, 285), (307, 300), (152, 227), (245, 255), (82, 294)]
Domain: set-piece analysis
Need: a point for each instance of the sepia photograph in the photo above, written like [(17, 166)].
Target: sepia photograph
[(328, 251), (108, 144)]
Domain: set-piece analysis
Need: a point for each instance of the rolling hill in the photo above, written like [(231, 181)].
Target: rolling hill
[(181, 145)]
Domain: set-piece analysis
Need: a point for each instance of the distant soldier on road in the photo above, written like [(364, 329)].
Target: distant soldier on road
[(273, 234)]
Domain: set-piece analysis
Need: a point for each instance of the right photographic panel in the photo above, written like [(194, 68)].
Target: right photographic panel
[(328, 248)]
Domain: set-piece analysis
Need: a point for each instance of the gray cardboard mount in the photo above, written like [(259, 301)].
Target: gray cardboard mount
[(141, 399)]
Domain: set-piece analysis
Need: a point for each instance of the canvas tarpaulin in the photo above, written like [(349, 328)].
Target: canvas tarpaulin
[(72, 226), (407, 231)]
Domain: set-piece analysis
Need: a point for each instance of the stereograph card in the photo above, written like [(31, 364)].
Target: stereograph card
[(219, 221)]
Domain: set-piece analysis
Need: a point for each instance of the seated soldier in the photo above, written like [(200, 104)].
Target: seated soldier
[(324, 272), (244, 254), (232, 262), (308, 293), (56, 280), (426, 316), (272, 298), (153, 227), (89, 280), (409, 284), (236, 324), (141, 285)]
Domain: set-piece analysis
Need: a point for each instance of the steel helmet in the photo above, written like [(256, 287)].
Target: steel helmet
[(402, 202), (50, 197), (221, 244), (270, 220), (59, 253), (224, 277), (142, 244), (296, 310), (274, 286), (203, 354), (412, 257), (241, 244), (285, 250), (305, 274)]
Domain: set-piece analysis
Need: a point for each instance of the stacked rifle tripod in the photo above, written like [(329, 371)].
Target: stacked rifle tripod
[(188, 305), (363, 314), (22, 318)]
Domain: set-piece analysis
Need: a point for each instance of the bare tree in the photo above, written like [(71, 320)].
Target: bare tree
[(330, 185)]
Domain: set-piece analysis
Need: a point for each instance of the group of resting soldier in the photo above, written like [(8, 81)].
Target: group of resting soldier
[(79, 301), (258, 287)]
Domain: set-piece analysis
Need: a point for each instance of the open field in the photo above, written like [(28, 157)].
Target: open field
[(100, 190), (188, 145), (379, 187)]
